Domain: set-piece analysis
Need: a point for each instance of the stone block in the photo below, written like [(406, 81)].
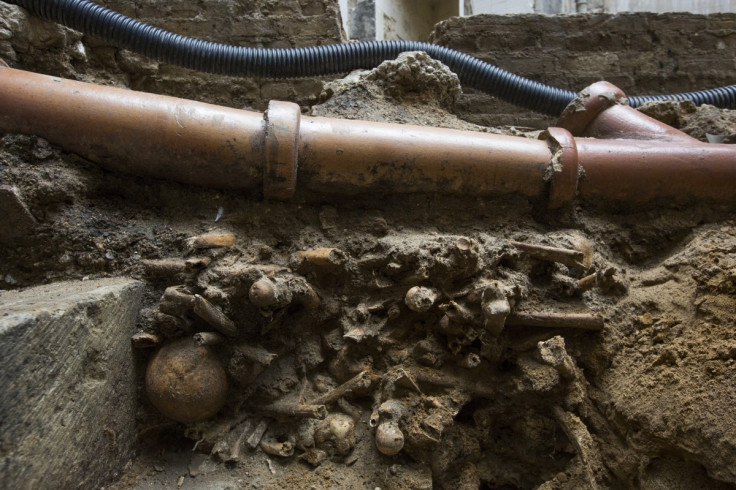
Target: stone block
[(68, 393), (595, 41), (603, 63)]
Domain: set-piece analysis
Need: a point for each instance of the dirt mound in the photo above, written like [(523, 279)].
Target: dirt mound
[(706, 122)]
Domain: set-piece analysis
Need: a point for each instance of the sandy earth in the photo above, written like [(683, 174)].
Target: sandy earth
[(647, 402)]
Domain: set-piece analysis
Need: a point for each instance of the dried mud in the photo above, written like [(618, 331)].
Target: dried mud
[(454, 398)]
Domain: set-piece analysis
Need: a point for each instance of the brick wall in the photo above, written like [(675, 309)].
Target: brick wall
[(263, 23), (641, 53), (257, 23)]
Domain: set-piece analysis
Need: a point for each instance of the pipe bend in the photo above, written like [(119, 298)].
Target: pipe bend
[(589, 103), (601, 111)]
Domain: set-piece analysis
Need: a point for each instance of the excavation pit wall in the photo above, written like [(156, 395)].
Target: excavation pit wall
[(643, 402)]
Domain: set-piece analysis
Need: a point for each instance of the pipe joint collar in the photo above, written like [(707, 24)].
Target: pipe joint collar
[(281, 150), (563, 169)]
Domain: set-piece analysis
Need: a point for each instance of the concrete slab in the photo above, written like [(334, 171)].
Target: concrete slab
[(67, 385)]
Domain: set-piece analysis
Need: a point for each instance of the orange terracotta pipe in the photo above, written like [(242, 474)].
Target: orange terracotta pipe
[(636, 171), (135, 132), (355, 156), (203, 144), (273, 153)]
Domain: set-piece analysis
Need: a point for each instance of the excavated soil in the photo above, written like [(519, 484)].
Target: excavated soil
[(646, 402)]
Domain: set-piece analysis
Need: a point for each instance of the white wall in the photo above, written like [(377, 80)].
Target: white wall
[(414, 19), (696, 7), (411, 20), (344, 15), (572, 6), (502, 6)]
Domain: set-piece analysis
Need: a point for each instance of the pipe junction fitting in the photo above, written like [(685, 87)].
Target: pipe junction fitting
[(627, 156), (633, 158)]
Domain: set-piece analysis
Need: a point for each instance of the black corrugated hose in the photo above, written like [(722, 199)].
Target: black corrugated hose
[(124, 32)]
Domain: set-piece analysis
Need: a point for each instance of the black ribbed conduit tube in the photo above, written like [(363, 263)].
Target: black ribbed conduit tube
[(122, 31)]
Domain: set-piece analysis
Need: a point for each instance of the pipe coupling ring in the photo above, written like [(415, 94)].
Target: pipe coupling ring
[(281, 150)]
